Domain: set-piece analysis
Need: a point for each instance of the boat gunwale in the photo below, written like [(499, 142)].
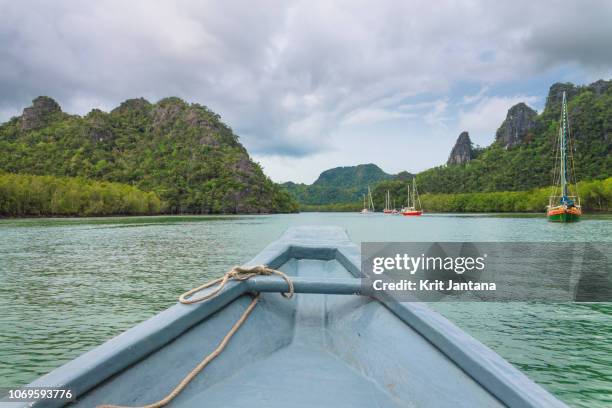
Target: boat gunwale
[(491, 371)]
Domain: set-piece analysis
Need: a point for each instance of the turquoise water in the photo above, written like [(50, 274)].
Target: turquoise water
[(67, 285)]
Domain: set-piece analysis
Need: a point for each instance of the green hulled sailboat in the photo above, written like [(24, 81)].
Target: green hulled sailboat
[(564, 203)]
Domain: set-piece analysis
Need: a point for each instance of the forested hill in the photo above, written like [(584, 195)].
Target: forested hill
[(340, 184), (522, 154), (183, 152), (359, 176)]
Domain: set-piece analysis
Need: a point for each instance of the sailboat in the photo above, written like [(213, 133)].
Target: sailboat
[(388, 209), (364, 210), (370, 203), (411, 210), (562, 205)]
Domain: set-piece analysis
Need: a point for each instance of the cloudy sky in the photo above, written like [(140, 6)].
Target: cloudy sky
[(310, 85)]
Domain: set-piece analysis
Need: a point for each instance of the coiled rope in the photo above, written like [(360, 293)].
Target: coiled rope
[(238, 274)]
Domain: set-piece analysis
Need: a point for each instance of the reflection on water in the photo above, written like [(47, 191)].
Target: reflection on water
[(67, 285)]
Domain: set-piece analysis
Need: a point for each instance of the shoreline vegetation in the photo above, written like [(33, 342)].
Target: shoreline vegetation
[(23, 195), (596, 198)]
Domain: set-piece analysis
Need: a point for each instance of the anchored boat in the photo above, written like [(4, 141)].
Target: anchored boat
[(411, 208), (564, 204), (388, 209), (369, 207), (327, 346)]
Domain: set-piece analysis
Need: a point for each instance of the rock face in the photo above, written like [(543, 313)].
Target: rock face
[(97, 126), (555, 96), (520, 122), (462, 151), (38, 115), (168, 112), (600, 86)]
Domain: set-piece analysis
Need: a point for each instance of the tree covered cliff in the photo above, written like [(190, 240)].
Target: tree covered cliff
[(182, 152), (522, 156)]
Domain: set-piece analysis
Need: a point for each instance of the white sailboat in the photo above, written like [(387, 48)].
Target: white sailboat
[(370, 203), (364, 210)]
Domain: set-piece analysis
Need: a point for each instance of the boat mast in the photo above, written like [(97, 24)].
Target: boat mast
[(562, 148), (370, 197), (408, 197), (416, 193)]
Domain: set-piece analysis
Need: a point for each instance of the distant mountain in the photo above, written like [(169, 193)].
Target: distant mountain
[(359, 176), (341, 184), (522, 155), (181, 151)]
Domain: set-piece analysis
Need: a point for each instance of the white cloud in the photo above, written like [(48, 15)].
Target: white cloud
[(437, 116), (420, 105), (373, 115), (469, 99)]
